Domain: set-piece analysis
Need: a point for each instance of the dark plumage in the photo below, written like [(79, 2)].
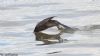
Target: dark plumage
[(44, 24), (47, 23)]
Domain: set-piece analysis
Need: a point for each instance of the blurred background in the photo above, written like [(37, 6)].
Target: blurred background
[(18, 19)]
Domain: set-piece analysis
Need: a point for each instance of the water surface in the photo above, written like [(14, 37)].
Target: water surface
[(18, 19)]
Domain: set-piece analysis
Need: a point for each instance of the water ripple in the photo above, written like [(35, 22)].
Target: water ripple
[(15, 34), (16, 6), (14, 23), (71, 15)]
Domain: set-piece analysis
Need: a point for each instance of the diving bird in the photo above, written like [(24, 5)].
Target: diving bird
[(48, 22)]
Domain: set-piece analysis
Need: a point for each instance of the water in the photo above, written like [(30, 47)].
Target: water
[(18, 19)]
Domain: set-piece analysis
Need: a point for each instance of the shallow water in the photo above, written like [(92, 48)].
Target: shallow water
[(18, 19)]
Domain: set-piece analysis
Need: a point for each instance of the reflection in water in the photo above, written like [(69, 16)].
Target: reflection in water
[(48, 39), (18, 18)]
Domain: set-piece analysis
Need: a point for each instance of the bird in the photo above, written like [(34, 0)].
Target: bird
[(48, 22)]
